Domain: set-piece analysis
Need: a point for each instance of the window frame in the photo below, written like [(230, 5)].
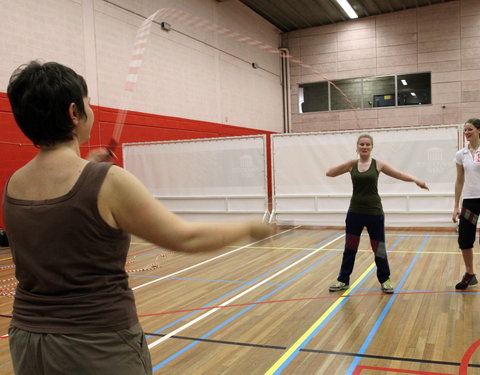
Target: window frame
[(369, 98)]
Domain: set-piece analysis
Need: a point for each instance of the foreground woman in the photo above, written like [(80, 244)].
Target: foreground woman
[(69, 223)]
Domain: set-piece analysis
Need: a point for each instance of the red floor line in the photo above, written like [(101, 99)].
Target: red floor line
[(292, 300), (466, 358), (359, 369), (144, 252)]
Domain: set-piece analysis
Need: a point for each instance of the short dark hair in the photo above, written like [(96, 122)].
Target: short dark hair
[(40, 95), (474, 121)]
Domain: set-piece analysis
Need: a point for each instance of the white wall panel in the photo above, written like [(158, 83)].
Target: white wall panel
[(304, 194), (187, 72), (191, 72), (220, 176), (47, 30)]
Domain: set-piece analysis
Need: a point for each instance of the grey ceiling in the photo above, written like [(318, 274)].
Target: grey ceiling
[(289, 15)]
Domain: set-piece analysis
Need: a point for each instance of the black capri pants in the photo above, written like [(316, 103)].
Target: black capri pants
[(467, 225)]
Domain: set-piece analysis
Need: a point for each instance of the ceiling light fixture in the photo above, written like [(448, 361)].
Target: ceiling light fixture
[(347, 8), (404, 82), (165, 26)]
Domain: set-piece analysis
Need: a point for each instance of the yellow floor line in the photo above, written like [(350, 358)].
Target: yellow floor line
[(325, 315), (457, 252)]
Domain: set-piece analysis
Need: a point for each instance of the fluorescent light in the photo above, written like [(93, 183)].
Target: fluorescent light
[(347, 8), (413, 94), (166, 26), (404, 82)]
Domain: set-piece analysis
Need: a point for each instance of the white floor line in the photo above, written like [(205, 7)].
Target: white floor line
[(210, 260), (167, 336), (201, 263)]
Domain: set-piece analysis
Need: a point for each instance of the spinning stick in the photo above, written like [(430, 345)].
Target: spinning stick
[(174, 14), (135, 62)]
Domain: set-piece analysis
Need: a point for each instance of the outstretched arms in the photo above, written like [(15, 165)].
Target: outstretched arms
[(124, 202), (341, 169), (399, 175)]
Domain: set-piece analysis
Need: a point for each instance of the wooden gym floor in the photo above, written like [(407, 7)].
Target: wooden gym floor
[(265, 308)]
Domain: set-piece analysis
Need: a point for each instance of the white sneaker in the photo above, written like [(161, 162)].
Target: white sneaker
[(387, 287), (337, 286)]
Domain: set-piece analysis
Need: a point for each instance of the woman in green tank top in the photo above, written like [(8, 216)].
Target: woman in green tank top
[(366, 211)]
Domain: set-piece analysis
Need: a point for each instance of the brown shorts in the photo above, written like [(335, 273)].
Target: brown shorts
[(122, 352)]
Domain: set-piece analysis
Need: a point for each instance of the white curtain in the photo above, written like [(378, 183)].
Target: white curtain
[(301, 160)]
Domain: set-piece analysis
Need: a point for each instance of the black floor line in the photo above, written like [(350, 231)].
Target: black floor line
[(317, 351), (220, 341)]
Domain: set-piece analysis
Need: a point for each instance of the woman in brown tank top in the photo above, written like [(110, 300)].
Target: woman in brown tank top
[(86, 210)]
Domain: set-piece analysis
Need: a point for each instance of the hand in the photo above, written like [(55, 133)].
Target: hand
[(455, 215), (100, 155), (422, 184)]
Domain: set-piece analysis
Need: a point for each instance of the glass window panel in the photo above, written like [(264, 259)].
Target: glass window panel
[(379, 92), (313, 97), (352, 89), (414, 89), (369, 92)]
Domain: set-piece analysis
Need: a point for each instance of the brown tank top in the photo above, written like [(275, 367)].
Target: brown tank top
[(70, 264)]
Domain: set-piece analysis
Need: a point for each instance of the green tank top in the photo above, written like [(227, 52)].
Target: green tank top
[(365, 198)]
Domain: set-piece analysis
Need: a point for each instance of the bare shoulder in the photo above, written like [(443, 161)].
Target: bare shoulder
[(388, 169), (15, 187), (121, 194), (350, 164), (16, 177), (381, 165), (52, 178), (120, 179), (116, 173), (340, 169)]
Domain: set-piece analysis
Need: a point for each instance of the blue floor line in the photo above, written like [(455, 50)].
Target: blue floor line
[(243, 286), (217, 328), (380, 319), (334, 311)]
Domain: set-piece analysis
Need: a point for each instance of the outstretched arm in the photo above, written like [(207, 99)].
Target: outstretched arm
[(341, 169), (124, 202), (458, 191), (399, 175)]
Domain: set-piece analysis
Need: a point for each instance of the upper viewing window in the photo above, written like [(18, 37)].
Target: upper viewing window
[(414, 89), (368, 92)]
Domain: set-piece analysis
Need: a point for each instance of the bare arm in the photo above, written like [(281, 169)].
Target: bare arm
[(399, 175), (458, 191), (125, 202), (341, 169)]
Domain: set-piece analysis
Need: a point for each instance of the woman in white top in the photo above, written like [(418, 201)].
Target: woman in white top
[(467, 185)]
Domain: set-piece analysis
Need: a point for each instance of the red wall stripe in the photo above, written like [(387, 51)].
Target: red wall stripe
[(16, 150)]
